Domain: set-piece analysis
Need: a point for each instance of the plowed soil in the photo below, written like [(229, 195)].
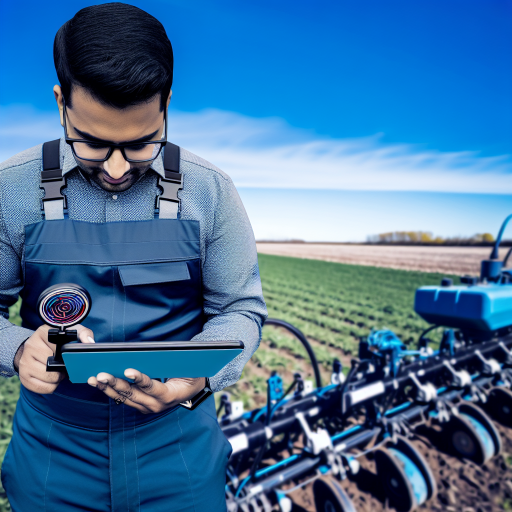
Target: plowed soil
[(462, 485), (450, 260)]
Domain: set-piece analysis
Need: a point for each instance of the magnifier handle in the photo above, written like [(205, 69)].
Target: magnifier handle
[(59, 338)]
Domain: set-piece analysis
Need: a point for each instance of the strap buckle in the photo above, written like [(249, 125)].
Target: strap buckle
[(52, 182), (171, 184)]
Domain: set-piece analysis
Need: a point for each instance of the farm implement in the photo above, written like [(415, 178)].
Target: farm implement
[(452, 392)]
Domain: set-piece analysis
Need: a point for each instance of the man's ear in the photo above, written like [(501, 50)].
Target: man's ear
[(57, 92), (169, 99)]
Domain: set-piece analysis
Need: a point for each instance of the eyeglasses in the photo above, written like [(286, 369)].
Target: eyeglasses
[(134, 152)]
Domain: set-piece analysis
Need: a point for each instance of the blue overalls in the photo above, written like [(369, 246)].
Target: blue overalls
[(76, 449)]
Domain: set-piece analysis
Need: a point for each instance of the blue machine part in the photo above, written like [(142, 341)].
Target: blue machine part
[(448, 342), (484, 307), (413, 474), (385, 340), (275, 384), (483, 434), (389, 346)]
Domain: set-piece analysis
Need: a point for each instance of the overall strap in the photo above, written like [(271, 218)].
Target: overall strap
[(168, 202), (52, 182)]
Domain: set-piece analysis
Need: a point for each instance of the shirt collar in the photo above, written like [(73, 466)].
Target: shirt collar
[(69, 163)]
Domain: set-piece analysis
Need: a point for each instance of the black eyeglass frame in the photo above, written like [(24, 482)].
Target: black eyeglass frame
[(113, 145)]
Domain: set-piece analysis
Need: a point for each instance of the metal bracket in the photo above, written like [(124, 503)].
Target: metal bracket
[(425, 392), (394, 427), (477, 394), (337, 376), (489, 366), (444, 412), (317, 441), (508, 353), (460, 379)]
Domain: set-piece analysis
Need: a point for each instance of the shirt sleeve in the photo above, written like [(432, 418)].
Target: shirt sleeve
[(11, 283), (233, 298)]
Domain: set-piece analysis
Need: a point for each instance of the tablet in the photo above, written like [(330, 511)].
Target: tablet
[(157, 359)]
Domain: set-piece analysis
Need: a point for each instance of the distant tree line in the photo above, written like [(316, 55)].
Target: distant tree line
[(427, 238), (406, 238)]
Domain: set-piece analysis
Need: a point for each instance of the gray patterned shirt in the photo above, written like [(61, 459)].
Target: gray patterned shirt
[(233, 299)]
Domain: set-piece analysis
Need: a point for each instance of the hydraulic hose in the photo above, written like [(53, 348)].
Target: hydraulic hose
[(298, 334)]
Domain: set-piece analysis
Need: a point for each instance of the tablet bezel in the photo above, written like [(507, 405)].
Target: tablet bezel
[(138, 346)]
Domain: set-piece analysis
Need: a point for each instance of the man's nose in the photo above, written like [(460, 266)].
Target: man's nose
[(116, 165)]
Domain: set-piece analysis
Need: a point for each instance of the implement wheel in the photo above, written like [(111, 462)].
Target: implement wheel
[(330, 497)]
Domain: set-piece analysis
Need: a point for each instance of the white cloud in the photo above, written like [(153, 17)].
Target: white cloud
[(269, 153)]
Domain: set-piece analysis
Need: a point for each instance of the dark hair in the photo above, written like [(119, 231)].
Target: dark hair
[(118, 52)]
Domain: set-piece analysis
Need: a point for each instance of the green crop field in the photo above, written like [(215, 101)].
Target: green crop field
[(333, 304)]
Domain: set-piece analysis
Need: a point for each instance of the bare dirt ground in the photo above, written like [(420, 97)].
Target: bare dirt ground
[(462, 486), (449, 260)]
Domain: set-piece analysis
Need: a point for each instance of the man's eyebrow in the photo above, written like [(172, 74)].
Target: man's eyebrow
[(92, 138)]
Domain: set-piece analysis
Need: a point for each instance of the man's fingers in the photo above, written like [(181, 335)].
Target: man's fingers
[(143, 391), (106, 378), (184, 389), (41, 356), (121, 393), (32, 363), (48, 377), (42, 332), (85, 335), (37, 370), (149, 386), (37, 385)]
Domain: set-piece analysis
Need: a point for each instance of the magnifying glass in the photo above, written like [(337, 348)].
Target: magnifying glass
[(61, 306)]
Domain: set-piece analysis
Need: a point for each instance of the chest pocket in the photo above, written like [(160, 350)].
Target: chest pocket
[(161, 301)]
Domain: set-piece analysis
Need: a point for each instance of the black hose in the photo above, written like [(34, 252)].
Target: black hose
[(298, 334), (426, 331)]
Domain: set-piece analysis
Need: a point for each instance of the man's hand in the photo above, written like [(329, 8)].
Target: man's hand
[(145, 394), (30, 360)]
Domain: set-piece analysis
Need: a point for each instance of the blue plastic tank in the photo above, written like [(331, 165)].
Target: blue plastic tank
[(484, 307)]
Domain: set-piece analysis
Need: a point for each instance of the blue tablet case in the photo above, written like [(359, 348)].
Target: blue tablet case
[(158, 364)]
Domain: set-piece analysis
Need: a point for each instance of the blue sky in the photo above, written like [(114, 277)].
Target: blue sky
[(404, 103)]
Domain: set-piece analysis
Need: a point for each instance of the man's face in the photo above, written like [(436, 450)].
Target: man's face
[(91, 120)]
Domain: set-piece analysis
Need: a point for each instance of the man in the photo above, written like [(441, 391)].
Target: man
[(116, 444)]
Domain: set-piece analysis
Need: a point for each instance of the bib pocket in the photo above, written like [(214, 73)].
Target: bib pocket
[(159, 295)]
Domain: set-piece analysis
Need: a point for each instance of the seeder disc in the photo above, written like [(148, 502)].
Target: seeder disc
[(499, 405), (394, 472), (465, 440), (473, 435), (330, 496), (484, 436), (406, 477)]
